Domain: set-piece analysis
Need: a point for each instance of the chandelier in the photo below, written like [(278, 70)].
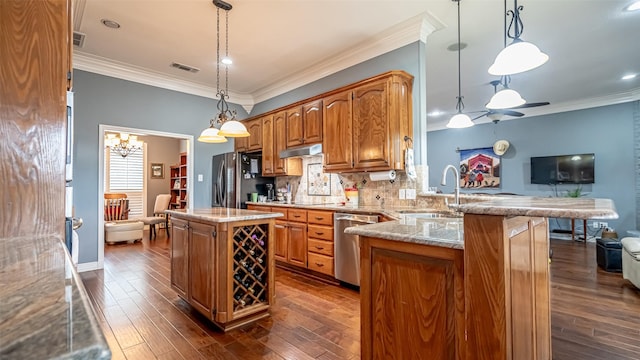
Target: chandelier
[(224, 124), (122, 144)]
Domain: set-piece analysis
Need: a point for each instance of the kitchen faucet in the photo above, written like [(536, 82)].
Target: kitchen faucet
[(443, 182)]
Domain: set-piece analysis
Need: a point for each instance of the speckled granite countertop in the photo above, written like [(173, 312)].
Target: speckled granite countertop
[(577, 208), (220, 215), (45, 312), (443, 232)]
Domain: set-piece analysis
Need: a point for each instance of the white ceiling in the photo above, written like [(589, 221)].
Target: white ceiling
[(279, 45)]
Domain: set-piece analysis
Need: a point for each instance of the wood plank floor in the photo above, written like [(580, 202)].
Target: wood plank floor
[(595, 315)]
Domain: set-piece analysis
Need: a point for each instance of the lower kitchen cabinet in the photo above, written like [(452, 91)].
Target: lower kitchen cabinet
[(412, 301), (224, 270)]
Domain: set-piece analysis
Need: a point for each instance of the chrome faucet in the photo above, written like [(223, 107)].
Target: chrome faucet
[(443, 182)]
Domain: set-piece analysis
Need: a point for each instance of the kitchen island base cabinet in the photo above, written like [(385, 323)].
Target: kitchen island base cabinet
[(224, 270), (412, 301)]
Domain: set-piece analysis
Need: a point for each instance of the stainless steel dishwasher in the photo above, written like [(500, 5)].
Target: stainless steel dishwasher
[(346, 247)]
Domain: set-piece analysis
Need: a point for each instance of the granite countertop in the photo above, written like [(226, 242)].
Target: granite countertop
[(221, 215), (576, 208), (45, 312), (391, 212), (443, 232)]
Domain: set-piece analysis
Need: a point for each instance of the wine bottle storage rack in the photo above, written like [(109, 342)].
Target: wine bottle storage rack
[(250, 266)]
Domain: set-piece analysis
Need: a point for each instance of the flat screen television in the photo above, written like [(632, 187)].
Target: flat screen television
[(563, 169)]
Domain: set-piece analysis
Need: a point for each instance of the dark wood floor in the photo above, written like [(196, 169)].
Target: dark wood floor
[(595, 315)]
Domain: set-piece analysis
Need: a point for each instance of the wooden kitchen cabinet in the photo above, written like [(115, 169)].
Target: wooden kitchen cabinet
[(419, 284), (281, 252), (365, 126), (202, 266), (274, 129), (304, 124), (268, 161), (254, 141), (297, 235), (179, 256), (320, 241)]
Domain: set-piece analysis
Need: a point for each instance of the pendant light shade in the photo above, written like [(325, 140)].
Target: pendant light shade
[(233, 128), (505, 99), (518, 57), (211, 135), (460, 121)]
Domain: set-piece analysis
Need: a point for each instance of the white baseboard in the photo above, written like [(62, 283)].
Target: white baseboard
[(90, 266)]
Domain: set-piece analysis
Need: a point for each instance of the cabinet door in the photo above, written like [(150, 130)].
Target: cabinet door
[(279, 142), (338, 131), (255, 135), (241, 143), (312, 119), (267, 146), (281, 241), (201, 267), (371, 127), (295, 131), (297, 234), (179, 256)]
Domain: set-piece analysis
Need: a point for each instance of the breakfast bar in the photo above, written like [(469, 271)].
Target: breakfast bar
[(471, 288), (222, 263)]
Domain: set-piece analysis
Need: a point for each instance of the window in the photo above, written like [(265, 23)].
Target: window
[(126, 175)]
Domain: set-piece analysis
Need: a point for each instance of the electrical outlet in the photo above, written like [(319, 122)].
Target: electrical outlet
[(411, 194), (604, 225), (401, 194), (200, 178), (596, 225)]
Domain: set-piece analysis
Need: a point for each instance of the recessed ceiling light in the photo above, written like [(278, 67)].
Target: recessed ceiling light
[(436, 113), (629, 76), (226, 60), (633, 6), (110, 23)]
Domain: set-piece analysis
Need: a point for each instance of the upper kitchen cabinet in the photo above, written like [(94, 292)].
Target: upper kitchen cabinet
[(304, 124), (274, 129), (254, 141), (365, 126)]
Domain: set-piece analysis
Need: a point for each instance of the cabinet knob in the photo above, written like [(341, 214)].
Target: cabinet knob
[(319, 247), (319, 264), (319, 233), (319, 218)]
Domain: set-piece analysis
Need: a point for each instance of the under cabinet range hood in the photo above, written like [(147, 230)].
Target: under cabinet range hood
[(308, 150)]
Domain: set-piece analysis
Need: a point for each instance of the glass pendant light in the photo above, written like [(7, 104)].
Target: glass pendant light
[(226, 118), (519, 56), (505, 99), (459, 120)]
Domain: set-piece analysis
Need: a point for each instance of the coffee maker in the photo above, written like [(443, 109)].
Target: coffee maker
[(270, 192)]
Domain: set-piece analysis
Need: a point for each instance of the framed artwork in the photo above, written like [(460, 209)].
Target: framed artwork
[(157, 170), (479, 169), (318, 182)]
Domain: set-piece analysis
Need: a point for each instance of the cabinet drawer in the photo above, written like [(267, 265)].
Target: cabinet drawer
[(320, 217), (320, 232), (297, 215), (320, 247), (282, 210), (321, 263), (258, 208)]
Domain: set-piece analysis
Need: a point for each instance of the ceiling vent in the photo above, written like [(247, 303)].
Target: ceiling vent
[(78, 38), (184, 67)]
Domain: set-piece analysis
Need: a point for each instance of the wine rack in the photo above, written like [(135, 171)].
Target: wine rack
[(250, 265)]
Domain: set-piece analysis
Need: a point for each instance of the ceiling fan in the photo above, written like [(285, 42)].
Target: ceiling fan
[(497, 114)]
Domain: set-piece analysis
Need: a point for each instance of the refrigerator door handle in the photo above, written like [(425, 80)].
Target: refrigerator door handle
[(221, 181)]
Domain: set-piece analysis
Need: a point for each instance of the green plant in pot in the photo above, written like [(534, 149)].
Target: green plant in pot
[(575, 193)]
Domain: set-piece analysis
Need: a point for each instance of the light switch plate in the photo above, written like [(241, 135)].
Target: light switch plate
[(410, 194), (200, 178), (401, 194)]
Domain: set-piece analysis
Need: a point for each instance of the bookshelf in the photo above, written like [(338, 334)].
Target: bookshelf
[(179, 183)]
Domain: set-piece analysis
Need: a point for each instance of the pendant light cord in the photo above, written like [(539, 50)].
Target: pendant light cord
[(460, 104)]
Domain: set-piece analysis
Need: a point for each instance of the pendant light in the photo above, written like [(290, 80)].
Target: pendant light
[(226, 118), (459, 120), (519, 56), (505, 98)]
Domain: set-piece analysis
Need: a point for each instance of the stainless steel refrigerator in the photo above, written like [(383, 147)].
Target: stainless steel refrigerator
[(235, 176)]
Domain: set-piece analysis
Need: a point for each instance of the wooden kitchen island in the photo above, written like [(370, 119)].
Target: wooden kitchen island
[(222, 263), (463, 288)]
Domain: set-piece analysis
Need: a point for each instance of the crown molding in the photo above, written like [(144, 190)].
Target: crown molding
[(582, 104), (107, 67), (414, 29)]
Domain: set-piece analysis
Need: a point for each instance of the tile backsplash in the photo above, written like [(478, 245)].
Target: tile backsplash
[(316, 187)]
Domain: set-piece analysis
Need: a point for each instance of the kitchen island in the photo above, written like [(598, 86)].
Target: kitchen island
[(481, 295), (222, 263)]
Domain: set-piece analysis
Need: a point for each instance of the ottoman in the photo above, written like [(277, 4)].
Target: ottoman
[(608, 254), (118, 231), (631, 260)]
